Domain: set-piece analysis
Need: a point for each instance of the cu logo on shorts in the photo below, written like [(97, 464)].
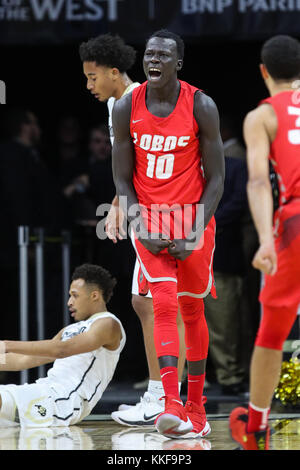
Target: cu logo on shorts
[(2, 92)]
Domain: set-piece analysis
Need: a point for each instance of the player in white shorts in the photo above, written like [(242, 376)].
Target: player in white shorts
[(106, 60), (84, 356)]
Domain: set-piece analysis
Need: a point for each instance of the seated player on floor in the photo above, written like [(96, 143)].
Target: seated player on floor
[(85, 355)]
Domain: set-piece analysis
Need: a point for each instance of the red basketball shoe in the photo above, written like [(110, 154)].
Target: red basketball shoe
[(247, 440), (197, 415), (173, 422)]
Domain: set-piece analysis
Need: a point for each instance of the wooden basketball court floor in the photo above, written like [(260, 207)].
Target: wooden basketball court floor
[(99, 432)]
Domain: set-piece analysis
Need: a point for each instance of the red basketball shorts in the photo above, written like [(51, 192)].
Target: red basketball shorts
[(283, 289), (194, 275)]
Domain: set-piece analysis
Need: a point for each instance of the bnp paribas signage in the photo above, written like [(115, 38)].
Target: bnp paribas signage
[(58, 21)]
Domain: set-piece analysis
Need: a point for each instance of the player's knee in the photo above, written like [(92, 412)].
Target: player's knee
[(191, 309), (165, 302), (270, 341), (270, 337), (142, 306)]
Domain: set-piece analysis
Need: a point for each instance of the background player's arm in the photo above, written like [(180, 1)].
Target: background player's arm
[(259, 187), (17, 362), (123, 153), (123, 161), (104, 332)]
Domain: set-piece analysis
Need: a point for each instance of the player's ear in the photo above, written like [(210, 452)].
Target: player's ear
[(179, 65), (95, 295), (263, 71), (115, 73)]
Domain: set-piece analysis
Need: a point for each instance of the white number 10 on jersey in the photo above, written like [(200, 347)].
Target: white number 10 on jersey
[(161, 166)]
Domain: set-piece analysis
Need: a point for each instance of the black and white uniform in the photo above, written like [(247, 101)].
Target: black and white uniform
[(73, 385)]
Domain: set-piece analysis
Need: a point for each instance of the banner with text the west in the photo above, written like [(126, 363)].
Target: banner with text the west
[(67, 21)]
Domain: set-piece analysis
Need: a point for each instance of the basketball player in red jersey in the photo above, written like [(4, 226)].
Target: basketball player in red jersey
[(106, 61), (159, 129), (272, 131)]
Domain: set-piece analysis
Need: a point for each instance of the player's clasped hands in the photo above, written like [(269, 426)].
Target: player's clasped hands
[(177, 248), (154, 242)]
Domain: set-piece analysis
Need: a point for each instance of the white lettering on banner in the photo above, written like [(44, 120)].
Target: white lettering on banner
[(202, 6), (97, 11), (71, 15), (11, 3), (50, 8), (70, 10), (268, 5), (14, 14), (190, 7)]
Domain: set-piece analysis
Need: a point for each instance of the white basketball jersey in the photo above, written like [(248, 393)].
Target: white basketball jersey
[(86, 374), (110, 105)]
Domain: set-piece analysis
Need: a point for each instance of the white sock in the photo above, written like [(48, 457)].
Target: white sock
[(155, 387), (8, 408)]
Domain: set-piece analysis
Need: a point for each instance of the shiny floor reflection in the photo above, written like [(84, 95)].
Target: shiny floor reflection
[(108, 435)]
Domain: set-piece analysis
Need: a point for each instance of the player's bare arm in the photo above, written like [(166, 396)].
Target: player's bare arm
[(123, 165), (17, 362), (207, 117), (104, 332), (258, 133)]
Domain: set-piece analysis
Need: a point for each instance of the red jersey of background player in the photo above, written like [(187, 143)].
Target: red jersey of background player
[(285, 149), (167, 151)]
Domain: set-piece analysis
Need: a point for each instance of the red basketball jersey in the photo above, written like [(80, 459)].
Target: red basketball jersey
[(285, 149), (167, 152)]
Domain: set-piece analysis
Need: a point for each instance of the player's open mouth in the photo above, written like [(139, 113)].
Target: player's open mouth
[(154, 73)]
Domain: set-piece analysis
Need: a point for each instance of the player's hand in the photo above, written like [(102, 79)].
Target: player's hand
[(154, 245), (114, 224), (265, 258), (177, 248)]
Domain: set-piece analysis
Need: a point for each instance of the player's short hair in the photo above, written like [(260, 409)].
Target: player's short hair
[(281, 56), (109, 51), (93, 274), (164, 33)]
